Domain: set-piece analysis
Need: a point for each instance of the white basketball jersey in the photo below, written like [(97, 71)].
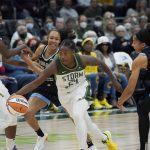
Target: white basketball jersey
[(67, 80)]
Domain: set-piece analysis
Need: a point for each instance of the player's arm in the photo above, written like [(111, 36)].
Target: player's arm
[(14, 62), (34, 67), (138, 63), (92, 61), (37, 52), (50, 70), (9, 53), (31, 61)]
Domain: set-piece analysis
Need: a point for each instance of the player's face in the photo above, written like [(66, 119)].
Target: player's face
[(137, 45), (53, 40), (66, 55)]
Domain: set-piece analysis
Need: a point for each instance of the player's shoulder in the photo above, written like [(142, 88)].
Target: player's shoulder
[(140, 61)]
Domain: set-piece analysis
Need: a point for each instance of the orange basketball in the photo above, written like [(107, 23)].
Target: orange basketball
[(17, 105)]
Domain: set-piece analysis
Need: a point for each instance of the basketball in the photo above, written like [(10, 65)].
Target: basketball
[(17, 105)]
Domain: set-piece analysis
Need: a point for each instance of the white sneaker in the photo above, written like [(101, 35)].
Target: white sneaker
[(93, 147), (40, 142)]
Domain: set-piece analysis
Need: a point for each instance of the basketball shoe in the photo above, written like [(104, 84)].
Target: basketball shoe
[(93, 147), (40, 142), (15, 148), (96, 105), (105, 103), (109, 143)]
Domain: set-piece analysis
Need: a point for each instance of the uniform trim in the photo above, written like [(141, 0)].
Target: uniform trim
[(87, 95), (43, 98)]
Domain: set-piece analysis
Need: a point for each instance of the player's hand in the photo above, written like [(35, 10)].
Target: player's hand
[(122, 108), (26, 49)]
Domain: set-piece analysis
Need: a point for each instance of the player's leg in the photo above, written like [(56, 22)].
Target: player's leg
[(36, 103), (105, 137), (89, 140), (10, 133), (143, 109), (80, 124)]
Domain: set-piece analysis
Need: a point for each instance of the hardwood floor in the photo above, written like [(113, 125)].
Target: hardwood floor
[(124, 129)]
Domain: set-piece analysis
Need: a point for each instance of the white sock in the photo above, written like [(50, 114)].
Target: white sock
[(10, 143)]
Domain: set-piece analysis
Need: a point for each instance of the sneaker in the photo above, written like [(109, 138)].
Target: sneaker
[(40, 142), (96, 104), (15, 148), (110, 144), (53, 108), (93, 147), (105, 104)]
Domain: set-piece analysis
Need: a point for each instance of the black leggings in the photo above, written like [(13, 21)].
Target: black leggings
[(143, 109)]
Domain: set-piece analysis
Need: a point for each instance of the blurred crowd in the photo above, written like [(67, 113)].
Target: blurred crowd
[(100, 28)]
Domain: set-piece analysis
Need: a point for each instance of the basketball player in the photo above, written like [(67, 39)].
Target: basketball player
[(46, 92), (5, 54), (6, 119), (68, 68), (141, 44)]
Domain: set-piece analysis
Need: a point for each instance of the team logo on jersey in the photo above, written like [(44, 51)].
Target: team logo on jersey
[(72, 78)]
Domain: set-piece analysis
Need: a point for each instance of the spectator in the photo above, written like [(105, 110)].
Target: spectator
[(97, 26), (6, 8), (132, 16), (82, 26), (32, 27), (60, 23), (25, 8), (22, 34), (109, 29), (33, 43), (67, 11), (94, 9), (120, 44), (128, 33), (82, 5), (120, 7), (91, 34), (143, 20), (70, 30), (105, 53), (3, 26), (48, 26), (52, 9)]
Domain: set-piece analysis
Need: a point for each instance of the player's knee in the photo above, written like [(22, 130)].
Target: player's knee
[(77, 116)]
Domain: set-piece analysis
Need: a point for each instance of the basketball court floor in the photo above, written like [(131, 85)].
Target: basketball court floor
[(123, 126)]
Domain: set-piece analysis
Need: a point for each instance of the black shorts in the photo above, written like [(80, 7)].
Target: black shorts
[(47, 94)]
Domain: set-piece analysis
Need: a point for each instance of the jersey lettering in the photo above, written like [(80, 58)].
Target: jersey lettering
[(72, 78)]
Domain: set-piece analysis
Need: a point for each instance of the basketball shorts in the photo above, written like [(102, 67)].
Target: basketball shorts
[(47, 95), (75, 100)]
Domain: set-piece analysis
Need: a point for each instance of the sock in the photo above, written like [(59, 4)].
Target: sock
[(89, 143), (10, 143), (40, 132)]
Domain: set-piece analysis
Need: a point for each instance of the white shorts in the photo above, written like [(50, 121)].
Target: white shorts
[(6, 119), (74, 100)]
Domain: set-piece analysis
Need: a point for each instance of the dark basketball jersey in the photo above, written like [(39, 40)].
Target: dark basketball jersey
[(48, 88), (146, 75)]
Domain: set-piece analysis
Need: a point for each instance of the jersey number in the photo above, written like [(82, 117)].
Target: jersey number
[(72, 82)]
